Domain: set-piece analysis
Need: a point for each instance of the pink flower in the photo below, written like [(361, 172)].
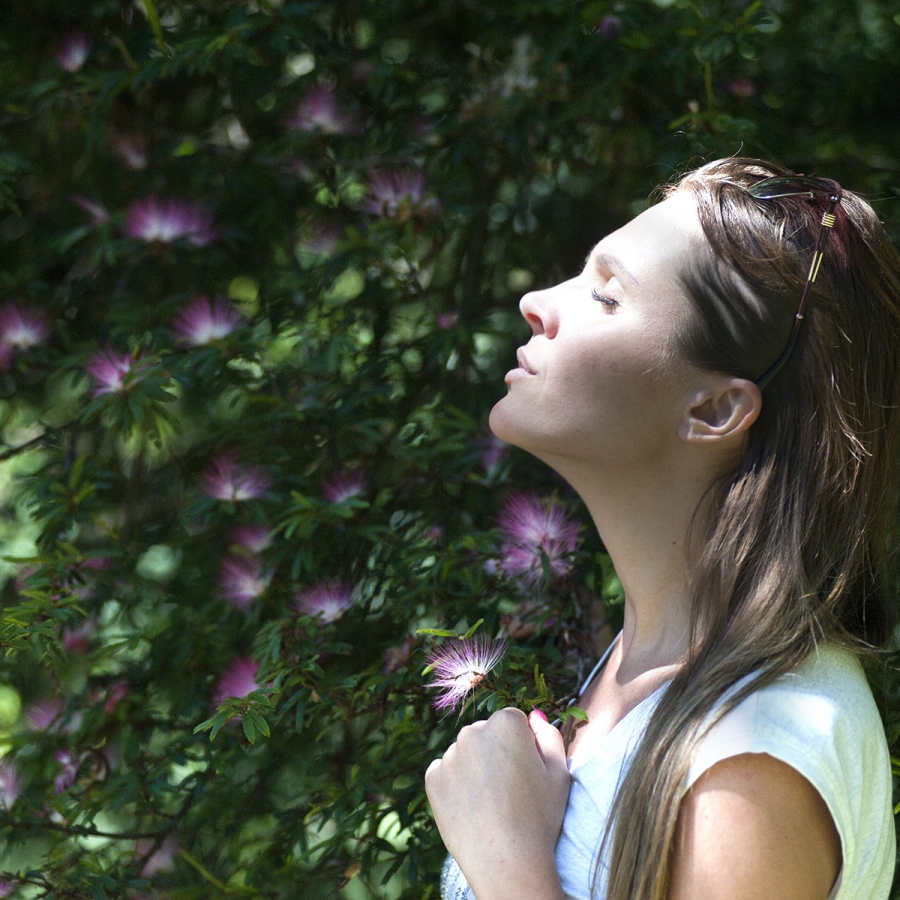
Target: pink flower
[(535, 530), (113, 373), (241, 579), (73, 51), (163, 860), (460, 666), (78, 640), (224, 479), (610, 27), (69, 764), (6, 888), (254, 538), (202, 322), (318, 241), (327, 600), (131, 149), (445, 320), (19, 330), (238, 680), (742, 88), (398, 195), (44, 715), (494, 454), (98, 214), (343, 486), (152, 219), (397, 656), (319, 111), (116, 692), (10, 784)]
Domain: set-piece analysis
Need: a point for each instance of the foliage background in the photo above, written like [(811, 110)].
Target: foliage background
[(384, 179)]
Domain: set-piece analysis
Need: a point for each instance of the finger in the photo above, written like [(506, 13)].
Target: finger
[(548, 740)]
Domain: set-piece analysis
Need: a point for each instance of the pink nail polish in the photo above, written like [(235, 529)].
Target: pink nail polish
[(540, 713)]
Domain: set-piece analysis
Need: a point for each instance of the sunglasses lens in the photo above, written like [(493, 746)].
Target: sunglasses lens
[(796, 186)]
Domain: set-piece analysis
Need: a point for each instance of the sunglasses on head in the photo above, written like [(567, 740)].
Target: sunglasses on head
[(811, 188)]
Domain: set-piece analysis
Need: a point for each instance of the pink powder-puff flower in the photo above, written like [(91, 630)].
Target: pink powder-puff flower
[(202, 322), (131, 150), (153, 219), (114, 694), (742, 88), (238, 680), (398, 195), (20, 329), (241, 580), (319, 111), (459, 666), (113, 373), (73, 51), (445, 320), (254, 538), (78, 640), (397, 655), (494, 454), (69, 764), (10, 784), (535, 530), (161, 860), (327, 600), (317, 242), (343, 486), (44, 715), (610, 27), (98, 214), (224, 479)]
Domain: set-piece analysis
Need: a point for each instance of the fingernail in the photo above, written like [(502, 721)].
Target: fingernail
[(539, 713)]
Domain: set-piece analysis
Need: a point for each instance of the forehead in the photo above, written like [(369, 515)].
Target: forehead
[(655, 244)]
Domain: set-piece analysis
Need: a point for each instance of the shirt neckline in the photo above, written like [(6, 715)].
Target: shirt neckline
[(577, 760)]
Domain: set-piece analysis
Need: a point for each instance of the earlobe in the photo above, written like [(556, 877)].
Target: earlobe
[(722, 413)]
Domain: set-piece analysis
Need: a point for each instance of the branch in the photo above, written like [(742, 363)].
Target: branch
[(86, 831)]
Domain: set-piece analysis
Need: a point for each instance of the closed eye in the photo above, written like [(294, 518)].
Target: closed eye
[(602, 298)]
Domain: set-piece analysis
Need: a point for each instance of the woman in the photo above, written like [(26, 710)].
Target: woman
[(720, 384)]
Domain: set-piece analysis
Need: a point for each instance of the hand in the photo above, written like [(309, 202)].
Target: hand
[(498, 796)]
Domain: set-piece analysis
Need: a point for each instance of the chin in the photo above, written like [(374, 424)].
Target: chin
[(505, 425), (499, 423)]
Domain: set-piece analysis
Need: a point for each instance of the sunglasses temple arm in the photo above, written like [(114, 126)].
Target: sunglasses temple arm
[(818, 255)]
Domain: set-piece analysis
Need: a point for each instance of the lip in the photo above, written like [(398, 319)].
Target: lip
[(523, 361), (523, 370)]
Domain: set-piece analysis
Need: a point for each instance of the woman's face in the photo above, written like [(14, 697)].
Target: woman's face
[(601, 380)]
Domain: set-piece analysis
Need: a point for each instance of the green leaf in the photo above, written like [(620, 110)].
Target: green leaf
[(437, 632)]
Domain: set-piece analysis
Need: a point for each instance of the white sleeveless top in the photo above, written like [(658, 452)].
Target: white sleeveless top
[(820, 719)]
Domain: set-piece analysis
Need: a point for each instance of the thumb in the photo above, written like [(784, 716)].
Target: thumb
[(548, 740)]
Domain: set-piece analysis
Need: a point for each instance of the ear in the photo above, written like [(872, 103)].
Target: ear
[(721, 412)]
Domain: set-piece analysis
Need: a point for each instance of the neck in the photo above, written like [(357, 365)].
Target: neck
[(644, 520)]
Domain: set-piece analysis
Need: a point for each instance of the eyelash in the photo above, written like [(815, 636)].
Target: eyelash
[(602, 298)]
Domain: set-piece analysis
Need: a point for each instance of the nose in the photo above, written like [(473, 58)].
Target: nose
[(539, 311)]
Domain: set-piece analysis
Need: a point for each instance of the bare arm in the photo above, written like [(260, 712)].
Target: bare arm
[(753, 828), (498, 796)]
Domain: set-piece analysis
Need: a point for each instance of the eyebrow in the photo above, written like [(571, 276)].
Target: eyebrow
[(613, 262)]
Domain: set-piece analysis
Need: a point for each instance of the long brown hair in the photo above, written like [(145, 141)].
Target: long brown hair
[(795, 548)]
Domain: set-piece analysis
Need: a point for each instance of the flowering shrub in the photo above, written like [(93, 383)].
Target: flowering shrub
[(261, 260)]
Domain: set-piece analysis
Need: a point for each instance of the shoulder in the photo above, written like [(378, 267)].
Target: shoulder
[(753, 828), (821, 718), (819, 728)]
